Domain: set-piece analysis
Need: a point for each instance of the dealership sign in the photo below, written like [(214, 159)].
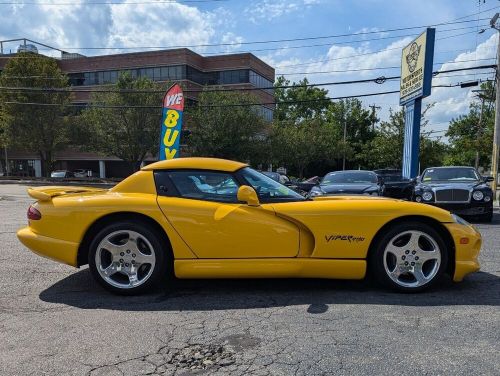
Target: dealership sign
[(416, 67), (416, 82), (171, 123)]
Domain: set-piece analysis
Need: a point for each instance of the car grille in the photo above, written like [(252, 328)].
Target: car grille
[(452, 195)]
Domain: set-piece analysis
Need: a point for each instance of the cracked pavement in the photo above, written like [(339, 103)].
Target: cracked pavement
[(55, 320)]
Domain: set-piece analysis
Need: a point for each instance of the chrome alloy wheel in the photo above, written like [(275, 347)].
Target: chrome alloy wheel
[(412, 258), (125, 259)]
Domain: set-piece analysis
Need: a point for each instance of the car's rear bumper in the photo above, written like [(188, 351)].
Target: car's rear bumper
[(466, 255), (55, 249)]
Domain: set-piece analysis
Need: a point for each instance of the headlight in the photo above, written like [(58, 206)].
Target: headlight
[(427, 196), (418, 198), (460, 220), (478, 195), (315, 193), (487, 198)]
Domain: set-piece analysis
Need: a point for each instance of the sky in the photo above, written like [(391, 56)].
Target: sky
[(354, 39)]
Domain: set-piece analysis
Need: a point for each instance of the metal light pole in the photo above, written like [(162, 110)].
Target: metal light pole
[(7, 170), (345, 137), (478, 133), (496, 133)]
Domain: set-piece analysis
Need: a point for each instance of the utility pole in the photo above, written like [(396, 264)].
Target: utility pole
[(7, 170), (345, 138), (478, 134), (373, 115), (496, 133)]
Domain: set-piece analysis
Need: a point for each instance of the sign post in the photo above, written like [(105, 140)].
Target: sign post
[(171, 123), (416, 81)]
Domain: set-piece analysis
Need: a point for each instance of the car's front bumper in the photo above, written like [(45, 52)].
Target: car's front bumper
[(467, 209), (55, 249), (467, 246)]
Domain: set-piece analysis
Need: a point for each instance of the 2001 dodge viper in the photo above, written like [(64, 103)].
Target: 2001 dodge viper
[(214, 218)]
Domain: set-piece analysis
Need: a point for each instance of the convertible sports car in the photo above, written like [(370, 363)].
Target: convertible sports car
[(213, 218)]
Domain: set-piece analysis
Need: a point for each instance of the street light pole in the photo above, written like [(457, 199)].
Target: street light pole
[(7, 170), (345, 137), (496, 133), (478, 133)]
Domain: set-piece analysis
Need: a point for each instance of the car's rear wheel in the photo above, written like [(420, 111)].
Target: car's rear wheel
[(410, 257), (128, 258)]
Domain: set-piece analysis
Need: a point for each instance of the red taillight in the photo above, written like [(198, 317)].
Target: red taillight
[(34, 214)]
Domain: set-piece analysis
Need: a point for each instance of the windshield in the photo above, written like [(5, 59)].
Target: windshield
[(450, 174), (268, 188), (350, 177), (273, 175)]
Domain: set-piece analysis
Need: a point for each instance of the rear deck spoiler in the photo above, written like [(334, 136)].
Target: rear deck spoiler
[(47, 193)]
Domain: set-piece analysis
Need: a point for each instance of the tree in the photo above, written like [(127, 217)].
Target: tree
[(299, 102), (297, 146), (468, 135), (358, 125), (126, 121), (40, 127), (386, 148), (227, 125)]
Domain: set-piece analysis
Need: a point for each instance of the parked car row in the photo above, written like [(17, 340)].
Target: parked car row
[(81, 173), (459, 189)]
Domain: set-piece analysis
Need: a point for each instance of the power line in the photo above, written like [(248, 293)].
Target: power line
[(364, 54), (378, 80), (286, 40), (232, 55), (228, 44), (372, 69), (220, 106)]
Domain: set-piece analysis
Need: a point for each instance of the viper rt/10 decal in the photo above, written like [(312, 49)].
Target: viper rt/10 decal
[(348, 238)]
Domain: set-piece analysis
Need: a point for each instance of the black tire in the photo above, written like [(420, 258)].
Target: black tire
[(377, 267), (163, 265)]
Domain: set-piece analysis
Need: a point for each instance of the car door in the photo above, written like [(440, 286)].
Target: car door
[(203, 208)]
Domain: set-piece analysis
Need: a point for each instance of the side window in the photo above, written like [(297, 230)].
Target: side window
[(198, 184)]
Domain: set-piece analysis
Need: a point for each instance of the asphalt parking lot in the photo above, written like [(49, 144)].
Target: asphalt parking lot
[(55, 320)]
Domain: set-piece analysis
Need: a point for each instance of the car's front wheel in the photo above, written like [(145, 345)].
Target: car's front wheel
[(128, 258), (410, 257)]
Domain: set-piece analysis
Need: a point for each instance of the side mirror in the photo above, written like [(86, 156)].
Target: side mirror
[(247, 194), (381, 180), (413, 180), (488, 179)]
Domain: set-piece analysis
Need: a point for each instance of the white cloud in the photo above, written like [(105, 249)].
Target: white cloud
[(449, 102), (268, 10), (233, 39), (452, 102), (165, 24), (115, 25), (66, 26)]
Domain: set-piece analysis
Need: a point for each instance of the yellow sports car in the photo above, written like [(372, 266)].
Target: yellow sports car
[(214, 218)]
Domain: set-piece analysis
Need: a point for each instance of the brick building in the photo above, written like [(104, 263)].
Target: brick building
[(193, 71)]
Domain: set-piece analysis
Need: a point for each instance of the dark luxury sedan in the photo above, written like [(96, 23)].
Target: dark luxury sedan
[(461, 190), (349, 182), (396, 186)]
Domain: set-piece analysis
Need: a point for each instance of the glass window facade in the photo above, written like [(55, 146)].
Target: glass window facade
[(176, 72), (181, 72)]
